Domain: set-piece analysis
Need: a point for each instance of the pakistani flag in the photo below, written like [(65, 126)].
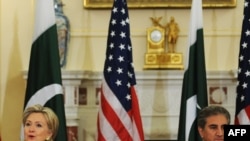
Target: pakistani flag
[(194, 88), (44, 84)]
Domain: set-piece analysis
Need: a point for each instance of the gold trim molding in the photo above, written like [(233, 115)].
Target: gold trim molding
[(101, 4)]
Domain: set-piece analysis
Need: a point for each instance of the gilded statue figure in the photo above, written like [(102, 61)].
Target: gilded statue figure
[(172, 30)]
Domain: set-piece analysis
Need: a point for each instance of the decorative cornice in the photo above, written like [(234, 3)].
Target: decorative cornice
[(75, 33), (144, 75)]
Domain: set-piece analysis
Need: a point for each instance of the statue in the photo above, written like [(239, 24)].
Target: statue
[(62, 23), (172, 29)]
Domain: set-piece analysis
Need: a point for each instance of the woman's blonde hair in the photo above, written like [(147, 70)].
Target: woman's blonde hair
[(50, 116)]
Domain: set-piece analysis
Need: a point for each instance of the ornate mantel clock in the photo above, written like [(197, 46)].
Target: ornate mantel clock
[(156, 39), (156, 56)]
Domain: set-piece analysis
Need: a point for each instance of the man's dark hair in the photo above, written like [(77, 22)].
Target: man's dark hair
[(211, 111)]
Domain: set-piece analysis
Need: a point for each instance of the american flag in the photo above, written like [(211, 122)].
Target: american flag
[(242, 113), (119, 116)]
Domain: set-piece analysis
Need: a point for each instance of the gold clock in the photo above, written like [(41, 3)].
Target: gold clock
[(156, 56), (156, 39)]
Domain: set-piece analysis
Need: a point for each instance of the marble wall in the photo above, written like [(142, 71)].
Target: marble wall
[(159, 94)]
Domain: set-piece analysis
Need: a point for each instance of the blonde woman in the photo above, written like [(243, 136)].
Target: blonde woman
[(40, 124)]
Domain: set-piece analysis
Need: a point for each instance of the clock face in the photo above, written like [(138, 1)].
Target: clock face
[(156, 35)]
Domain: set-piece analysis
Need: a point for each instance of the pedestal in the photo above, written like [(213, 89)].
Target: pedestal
[(163, 61)]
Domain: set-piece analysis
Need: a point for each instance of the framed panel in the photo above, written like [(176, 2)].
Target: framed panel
[(100, 4)]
